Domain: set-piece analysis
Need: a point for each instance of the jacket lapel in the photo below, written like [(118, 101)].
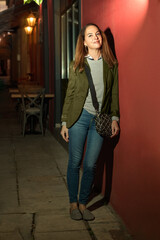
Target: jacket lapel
[(105, 74)]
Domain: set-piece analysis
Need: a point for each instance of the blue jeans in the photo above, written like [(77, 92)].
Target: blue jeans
[(82, 130)]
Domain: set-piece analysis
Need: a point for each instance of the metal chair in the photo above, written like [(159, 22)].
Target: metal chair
[(32, 106)]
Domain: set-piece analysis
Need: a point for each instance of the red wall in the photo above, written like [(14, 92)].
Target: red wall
[(136, 175)]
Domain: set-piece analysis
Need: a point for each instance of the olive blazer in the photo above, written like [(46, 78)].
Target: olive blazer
[(77, 91)]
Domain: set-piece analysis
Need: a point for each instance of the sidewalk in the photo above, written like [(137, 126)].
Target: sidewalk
[(33, 191)]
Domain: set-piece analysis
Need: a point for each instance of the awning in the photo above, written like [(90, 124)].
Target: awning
[(10, 18)]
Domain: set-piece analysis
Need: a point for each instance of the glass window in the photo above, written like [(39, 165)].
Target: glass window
[(69, 34), (63, 47)]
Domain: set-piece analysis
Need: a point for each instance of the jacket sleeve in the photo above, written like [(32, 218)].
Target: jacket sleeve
[(115, 93), (69, 94)]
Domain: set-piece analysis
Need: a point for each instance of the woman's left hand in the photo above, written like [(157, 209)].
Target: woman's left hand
[(115, 128)]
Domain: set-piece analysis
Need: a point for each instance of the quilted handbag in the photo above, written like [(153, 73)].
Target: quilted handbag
[(103, 124)]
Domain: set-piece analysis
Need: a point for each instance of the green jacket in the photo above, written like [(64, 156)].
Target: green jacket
[(77, 91)]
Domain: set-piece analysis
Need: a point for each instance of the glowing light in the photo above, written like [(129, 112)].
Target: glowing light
[(28, 30), (31, 20)]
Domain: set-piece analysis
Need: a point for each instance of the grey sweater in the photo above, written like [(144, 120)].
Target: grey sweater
[(96, 67)]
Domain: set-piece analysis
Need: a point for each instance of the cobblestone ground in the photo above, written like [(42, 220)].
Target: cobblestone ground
[(33, 192)]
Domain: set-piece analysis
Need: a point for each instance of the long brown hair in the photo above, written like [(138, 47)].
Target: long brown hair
[(81, 50)]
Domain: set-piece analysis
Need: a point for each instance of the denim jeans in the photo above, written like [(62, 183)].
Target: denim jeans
[(82, 130)]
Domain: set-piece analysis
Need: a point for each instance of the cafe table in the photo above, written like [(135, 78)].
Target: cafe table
[(13, 90), (31, 95)]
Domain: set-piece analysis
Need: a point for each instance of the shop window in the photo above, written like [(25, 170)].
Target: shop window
[(69, 34)]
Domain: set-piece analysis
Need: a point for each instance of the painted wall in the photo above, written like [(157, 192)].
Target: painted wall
[(135, 26)]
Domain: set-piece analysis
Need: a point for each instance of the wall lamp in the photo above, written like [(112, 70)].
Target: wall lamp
[(31, 21), (28, 30)]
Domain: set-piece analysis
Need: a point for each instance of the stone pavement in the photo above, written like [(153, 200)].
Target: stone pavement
[(33, 191)]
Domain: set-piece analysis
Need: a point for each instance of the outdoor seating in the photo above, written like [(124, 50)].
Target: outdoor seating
[(32, 107)]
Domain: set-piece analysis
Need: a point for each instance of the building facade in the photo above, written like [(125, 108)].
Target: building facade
[(134, 26), (131, 179)]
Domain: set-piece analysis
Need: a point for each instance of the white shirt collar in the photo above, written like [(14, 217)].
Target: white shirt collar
[(89, 57)]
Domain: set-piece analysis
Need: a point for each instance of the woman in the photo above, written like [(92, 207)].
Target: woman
[(78, 125)]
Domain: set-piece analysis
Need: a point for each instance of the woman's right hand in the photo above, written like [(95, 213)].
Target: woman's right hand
[(64, 133)]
